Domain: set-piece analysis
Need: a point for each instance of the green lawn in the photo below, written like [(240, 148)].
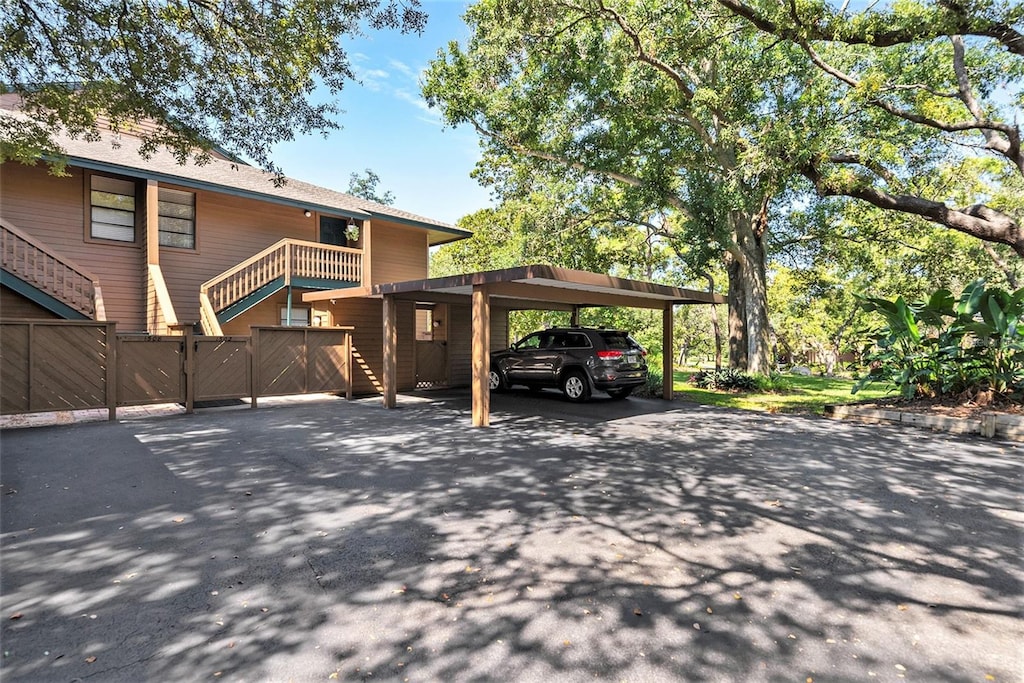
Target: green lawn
[(809, 394)]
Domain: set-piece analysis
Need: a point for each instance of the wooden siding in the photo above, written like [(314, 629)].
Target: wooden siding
[(460, 338), (228, 231), (397, 253), (14, 306), (367, 317), (52, 210)]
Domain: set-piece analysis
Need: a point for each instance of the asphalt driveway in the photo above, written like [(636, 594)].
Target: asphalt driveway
[(626, 541)]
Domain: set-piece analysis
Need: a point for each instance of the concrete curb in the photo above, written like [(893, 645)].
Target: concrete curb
[(989, 425)]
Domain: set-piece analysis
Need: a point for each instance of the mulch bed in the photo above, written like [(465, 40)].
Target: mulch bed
[(963, 407)]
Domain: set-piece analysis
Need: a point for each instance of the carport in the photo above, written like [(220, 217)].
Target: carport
[(534, 287)]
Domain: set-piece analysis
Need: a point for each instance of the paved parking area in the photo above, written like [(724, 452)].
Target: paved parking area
[(636, 541)]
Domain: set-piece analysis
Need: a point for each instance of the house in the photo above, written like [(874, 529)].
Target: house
[(157, 247), (153, 245)]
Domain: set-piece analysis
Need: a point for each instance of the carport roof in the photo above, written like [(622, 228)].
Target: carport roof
[(535, 287)]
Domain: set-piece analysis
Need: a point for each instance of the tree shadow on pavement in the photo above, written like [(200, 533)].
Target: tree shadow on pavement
[(688, 543)]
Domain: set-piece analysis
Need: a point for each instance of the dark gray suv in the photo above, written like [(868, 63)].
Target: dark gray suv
[(576, 360)]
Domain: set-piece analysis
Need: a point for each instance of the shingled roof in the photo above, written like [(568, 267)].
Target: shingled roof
[(120, 154)]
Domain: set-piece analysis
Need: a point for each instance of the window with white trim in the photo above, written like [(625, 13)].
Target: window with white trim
[(177, 211), (112, 209), (300, 317)]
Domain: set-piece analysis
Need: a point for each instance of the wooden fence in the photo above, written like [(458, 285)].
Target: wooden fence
[(71, 365)]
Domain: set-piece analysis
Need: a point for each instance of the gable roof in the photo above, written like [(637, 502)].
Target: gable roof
[(120, 154)]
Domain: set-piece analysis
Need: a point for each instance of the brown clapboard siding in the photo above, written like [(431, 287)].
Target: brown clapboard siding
[(52, 210), (398, 253), (14, 306), (460, 341), (228, 231)]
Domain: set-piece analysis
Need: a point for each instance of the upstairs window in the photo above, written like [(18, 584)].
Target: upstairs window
[(177, 211), (112, 207)]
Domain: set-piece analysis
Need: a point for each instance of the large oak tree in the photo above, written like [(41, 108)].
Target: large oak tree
[(717, 111)]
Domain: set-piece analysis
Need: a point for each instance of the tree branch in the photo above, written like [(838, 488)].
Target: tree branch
[(525, 150), (1008, 147), (978, 220), (830, 30)]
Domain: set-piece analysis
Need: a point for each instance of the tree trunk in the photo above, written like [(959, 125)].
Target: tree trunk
[(749, 339), (716, 329), (737, 317)]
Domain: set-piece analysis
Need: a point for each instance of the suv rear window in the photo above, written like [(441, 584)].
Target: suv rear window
[(618, 341)]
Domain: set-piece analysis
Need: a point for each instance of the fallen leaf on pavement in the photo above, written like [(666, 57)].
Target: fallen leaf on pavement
[(90, 660), (16, 616)]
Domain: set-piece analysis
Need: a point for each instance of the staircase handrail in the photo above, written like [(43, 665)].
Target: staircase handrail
[(90, 303), (276, 268)]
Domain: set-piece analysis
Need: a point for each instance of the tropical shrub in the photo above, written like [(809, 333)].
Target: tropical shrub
[(948, 346), (774, 383), (726, 379), (652, 388)]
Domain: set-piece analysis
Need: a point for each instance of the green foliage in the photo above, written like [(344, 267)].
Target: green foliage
[(240, 74), (807, 394), (947, 345), (365, 186), (774, 383), (652, 388), (726, 379)]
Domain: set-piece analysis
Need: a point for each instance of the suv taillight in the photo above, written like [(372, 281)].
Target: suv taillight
[(609, 354)]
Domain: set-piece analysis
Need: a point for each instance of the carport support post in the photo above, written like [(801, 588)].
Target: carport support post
[(481, 356), (390, 378), (666, 352)]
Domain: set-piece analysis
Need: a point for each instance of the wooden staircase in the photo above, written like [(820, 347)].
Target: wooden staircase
[(55, 282), (287, 263)]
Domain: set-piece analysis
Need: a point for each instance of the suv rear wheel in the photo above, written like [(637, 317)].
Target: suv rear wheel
[(575, 386)]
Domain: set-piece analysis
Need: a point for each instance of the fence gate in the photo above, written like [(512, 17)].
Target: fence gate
[(301, 360), (150, 369), (222, 368)]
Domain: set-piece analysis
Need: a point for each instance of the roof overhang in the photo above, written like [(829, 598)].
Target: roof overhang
[(534, 287)]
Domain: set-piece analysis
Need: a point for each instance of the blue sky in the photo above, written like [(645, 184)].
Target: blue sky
[(387, 127)]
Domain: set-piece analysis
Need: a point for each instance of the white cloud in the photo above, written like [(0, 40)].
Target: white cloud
[(404, 68)]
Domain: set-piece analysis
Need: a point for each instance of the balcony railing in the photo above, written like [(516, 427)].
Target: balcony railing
[(288, 262), (57, 276)]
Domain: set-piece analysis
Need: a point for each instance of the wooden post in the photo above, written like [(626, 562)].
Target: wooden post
[(254, 364), (481, 356), (666, 352), (348, 366), (190, 370), (390, 374), (151, 237), (111, 375)]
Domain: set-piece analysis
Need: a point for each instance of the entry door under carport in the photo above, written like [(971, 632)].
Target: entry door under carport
[(431, 346)]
